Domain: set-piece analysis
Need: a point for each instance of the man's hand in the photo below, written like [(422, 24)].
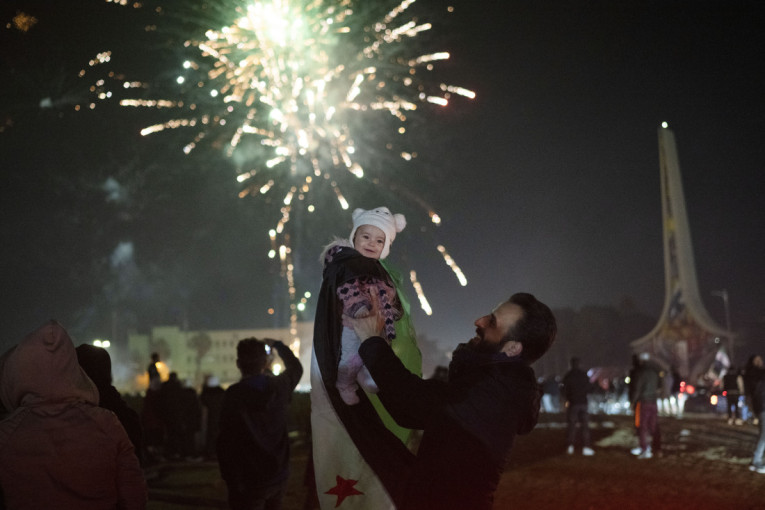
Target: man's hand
[(270, 341), (366, 327)]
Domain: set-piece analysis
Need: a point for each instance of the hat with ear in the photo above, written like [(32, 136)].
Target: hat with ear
[(382, 218)]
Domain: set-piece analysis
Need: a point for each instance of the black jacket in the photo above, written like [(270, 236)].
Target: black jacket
[(469, 424), (253, 447), (576, 386)]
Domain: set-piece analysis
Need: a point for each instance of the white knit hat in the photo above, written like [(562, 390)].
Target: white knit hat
[(382, 218)]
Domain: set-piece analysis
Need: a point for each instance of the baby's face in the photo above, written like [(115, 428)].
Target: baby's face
[(369, 241)]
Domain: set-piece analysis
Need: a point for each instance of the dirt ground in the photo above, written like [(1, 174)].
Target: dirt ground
[(704, 466)]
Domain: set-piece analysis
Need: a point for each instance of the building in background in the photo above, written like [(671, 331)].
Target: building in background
[(193, 355)]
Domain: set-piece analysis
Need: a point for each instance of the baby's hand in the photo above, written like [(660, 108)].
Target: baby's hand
[(369, 325), (361, 312)]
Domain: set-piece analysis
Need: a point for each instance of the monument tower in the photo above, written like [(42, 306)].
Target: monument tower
[(685, 336)]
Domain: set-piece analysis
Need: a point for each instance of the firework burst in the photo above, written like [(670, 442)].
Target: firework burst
[(291, 90)]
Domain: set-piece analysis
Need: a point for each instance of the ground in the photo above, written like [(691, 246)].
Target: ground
[(704, 467)]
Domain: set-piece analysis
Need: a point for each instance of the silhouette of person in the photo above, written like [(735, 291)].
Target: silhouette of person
[(212, 401), (98, 365), (173, 403), (253, 446), (644, 401), (576, 386), (154, 378)]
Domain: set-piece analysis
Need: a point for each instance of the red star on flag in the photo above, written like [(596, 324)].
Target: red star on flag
[(343, 489)]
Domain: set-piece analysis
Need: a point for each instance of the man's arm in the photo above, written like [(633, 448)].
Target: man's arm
[(410, 400), (293, 369)]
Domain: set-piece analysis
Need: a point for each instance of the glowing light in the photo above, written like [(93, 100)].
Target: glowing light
[(420, 295), (453, 265), (24, 22)]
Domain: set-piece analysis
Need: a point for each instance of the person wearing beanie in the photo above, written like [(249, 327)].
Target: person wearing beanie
[(372, 235), (345, 418)]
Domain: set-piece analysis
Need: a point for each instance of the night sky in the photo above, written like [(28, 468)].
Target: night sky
[(547, 182)]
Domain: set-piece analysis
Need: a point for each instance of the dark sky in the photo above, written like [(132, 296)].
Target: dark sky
[(547, 182)]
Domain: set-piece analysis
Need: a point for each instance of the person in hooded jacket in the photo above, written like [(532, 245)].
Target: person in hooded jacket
[(253, 446), (58, 449), (469, 422)]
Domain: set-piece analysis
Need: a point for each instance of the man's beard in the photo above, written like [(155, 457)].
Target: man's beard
[(478, 344)]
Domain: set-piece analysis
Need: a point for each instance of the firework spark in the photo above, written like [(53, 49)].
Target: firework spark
[(287, 88)]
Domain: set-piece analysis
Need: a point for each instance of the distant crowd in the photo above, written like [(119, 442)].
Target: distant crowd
[(649, 390)]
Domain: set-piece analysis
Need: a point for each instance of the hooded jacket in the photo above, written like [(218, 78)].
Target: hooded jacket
[(58, 449), (469, 423)]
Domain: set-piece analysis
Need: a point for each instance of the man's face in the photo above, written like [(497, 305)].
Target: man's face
[(369, 241), (757, 361), (490, 329)]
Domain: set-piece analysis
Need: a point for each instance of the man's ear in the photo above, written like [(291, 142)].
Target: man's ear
[(512, 348)]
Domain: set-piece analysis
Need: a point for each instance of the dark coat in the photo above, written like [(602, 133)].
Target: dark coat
[(576, 386), (469, 424), (755, 387), (253, 447), (98, 365)]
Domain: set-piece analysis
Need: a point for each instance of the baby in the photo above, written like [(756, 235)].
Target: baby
[(358, 277)]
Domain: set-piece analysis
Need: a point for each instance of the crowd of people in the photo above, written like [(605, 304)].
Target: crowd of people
[(650, 390), (68, 440), (178, 422)]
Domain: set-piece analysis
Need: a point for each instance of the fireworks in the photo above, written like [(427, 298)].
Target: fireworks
[(291, 91)]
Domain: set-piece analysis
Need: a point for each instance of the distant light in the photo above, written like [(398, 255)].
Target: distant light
[(664, 125), (102, 343), (180, 80)]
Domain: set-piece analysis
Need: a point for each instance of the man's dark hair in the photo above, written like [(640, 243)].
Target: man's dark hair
[(535, 330), (251, 356)]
